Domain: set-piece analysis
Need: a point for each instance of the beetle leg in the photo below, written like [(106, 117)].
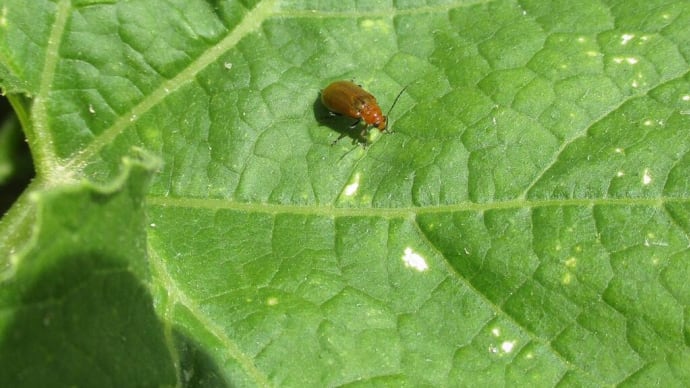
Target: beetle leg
[(355, 123), (342, 135), (363, 139)]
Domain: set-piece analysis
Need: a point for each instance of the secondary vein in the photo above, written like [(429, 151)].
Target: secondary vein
[(39, 135), (249, 24)]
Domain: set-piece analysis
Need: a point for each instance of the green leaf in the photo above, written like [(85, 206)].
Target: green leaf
[(77, 302), (528, 223)]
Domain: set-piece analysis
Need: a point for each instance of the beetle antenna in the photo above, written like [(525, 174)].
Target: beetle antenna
[(396, 100), (348, 152)]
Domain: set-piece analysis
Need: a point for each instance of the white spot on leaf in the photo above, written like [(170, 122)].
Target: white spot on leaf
[(414, 260), (507, 346), (351, 189), (629, 60), (646, 177), (625, 38)]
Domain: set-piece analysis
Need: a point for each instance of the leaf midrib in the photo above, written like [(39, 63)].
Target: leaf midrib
[(402, 212)]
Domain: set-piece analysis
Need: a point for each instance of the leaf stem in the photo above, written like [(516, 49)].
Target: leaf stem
[(38, 133)]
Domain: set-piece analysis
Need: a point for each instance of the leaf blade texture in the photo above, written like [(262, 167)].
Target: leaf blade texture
[(527, 222)]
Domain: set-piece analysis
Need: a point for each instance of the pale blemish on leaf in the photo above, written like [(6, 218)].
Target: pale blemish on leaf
[(628, 60), (567, 278), (375, 25), (496, 331), (650, 241), (351, 188), (372, 135), (571, 262), (272, 301), (625, 38), (414, 260), (507, 346), (646, 177), (151, 135)]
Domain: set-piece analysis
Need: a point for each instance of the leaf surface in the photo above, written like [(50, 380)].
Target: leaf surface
[(527, 223)]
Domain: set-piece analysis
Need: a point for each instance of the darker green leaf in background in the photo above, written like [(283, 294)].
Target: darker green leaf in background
[(78, 303)]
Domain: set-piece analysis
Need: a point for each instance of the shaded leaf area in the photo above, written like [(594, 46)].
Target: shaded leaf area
[(528, 222), (16, 168), (77, 311)]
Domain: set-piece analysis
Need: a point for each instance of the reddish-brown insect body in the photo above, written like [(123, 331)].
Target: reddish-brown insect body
[(349, 99)]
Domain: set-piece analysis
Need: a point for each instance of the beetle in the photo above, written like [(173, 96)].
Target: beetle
[(348, 99)]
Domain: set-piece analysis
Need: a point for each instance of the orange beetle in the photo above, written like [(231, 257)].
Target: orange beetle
[(349, 99)]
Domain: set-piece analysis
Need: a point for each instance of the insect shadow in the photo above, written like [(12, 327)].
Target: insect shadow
[(338, 123)]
